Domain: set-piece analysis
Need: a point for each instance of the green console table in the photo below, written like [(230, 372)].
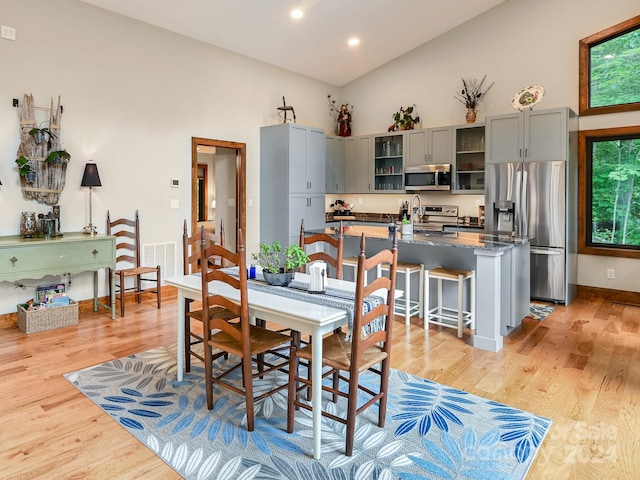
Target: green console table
[(22, 258)]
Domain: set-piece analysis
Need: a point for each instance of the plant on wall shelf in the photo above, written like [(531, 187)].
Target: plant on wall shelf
[(42, 134), (24, 164), (403, 119), (57, 156)]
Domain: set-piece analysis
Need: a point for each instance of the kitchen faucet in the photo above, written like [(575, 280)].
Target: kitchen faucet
[(413, 209)]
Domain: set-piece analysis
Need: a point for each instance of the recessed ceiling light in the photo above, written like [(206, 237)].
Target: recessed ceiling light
[(353, 42), (297, 13)]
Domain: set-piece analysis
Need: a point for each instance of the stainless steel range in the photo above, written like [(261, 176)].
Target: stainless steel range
[(435, 217)]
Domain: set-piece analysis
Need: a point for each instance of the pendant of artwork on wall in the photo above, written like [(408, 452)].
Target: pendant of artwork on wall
[(41, 160)]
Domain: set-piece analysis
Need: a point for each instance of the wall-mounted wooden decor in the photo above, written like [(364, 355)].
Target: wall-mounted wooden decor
[(41, 160)]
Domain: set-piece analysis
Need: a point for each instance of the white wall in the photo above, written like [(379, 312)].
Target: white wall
[(515, 44), (133, 96)]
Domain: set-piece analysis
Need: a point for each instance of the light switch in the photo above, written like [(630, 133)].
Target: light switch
[(7, 32), (175, 203)]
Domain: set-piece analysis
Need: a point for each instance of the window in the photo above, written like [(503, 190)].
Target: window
[(610, 69), (609, 192)]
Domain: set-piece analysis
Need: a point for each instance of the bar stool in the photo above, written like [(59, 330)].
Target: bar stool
[(352, 262), (408, 307), (446, 316)]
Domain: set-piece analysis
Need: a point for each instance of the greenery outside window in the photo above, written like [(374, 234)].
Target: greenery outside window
[(610, 69), (609, 192)]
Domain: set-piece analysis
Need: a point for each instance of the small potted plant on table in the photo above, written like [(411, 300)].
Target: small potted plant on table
[(278, 266)]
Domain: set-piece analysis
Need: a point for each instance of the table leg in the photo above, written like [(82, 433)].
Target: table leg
[(113, 296), (95, 290), (181, 333), (316, 391)]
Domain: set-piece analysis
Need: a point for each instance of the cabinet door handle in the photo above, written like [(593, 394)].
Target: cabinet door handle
[(520, 153), (13, 261), (95, 252), (526, 152)]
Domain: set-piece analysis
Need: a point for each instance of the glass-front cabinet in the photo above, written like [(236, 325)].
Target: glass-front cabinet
[(469, 161), (388, 163)]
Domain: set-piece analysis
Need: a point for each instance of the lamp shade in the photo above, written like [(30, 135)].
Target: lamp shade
[(91, 178)]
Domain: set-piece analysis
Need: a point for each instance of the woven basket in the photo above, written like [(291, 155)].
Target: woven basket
[(33, 321)]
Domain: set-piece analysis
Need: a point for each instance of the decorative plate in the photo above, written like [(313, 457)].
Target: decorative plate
[(527, 97)]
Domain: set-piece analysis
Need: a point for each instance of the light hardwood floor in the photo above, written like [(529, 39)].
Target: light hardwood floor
[(579, 367)]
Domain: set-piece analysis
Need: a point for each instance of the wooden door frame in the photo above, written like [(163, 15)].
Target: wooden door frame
[(241, 179)]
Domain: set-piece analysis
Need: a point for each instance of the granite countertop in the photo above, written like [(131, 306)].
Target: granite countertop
[(435, 239)]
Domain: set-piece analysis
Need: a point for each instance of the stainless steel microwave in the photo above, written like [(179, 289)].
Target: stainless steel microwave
[(427, 177)]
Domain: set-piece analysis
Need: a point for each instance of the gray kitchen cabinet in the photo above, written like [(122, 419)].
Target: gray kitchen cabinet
[(309, 207), (388, 163), (364, 164), (350, 164), (529, 136), (468, 167), (335, 166), (292, 181), (428, 146)]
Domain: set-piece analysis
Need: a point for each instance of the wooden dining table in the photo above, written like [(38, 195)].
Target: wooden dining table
[(302, 316)]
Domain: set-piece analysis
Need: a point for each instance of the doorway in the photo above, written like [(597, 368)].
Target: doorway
[(224, 197)]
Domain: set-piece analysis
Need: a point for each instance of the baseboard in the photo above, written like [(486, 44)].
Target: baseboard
[(10, 320), (617, 296)]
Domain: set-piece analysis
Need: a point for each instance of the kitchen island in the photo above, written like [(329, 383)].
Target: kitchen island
[(501, 263)]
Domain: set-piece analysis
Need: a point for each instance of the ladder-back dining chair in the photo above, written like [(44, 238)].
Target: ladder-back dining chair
[(192, 264), (368, 348), (243, 341), (323, 240), (127, 233)]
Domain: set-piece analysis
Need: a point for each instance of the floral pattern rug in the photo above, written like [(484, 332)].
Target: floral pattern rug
[(432, 431), (539, 311)]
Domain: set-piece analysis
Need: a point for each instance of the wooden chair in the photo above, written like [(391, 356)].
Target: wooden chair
[(324, 239), (191, 260), (361, 352), (241, 339), (127, 233)]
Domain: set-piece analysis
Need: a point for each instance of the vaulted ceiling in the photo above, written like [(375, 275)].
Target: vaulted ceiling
[(316, 44)]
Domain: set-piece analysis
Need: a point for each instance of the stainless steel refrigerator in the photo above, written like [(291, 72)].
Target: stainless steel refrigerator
[(533, 199)]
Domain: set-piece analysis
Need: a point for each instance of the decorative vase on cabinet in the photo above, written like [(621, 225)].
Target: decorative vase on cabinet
[(471, 115)]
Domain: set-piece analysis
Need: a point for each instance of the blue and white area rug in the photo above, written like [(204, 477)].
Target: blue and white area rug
[(432, 431), (539, 311)]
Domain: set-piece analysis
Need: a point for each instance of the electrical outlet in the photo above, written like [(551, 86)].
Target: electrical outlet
[(175, 203), (359, 201), (611, 273)]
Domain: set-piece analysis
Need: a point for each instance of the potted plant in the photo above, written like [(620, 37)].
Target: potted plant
[(58, 156), (24, 167), (278, 266), (403, 119), (42, 134), (24, 164)]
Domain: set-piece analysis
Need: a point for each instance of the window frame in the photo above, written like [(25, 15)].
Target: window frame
[(585, 68), (584, 168)]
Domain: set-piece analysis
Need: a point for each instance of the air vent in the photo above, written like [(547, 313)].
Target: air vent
[(163, 254)]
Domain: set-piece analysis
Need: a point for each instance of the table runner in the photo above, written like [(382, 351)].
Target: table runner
[(332, 297)]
